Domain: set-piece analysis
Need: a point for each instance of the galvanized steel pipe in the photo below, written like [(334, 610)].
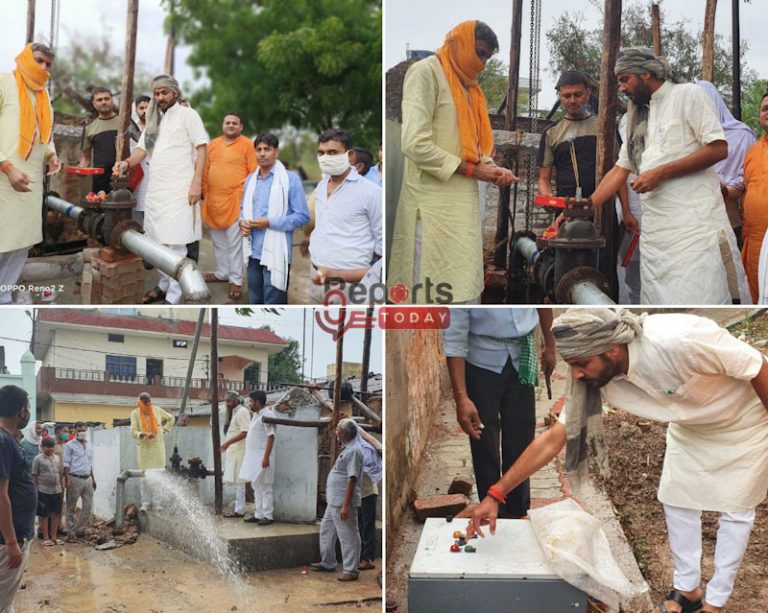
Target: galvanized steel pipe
[(120, 495), (527, 248), (51, 268), (62, 206), (183, 269), (586, 292)]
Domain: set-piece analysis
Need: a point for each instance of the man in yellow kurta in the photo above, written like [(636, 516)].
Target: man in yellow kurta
[(26, 144), (148, 425), (447, 143), (231, 158), (237, 421)]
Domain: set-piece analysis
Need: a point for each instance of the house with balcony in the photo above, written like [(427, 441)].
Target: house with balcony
[(95, 362)]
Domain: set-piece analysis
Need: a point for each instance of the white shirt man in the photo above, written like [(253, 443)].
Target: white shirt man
[(348, 234)]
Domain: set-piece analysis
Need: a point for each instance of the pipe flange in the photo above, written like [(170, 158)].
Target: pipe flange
[(577, 243), (119, 229), (576, 275)]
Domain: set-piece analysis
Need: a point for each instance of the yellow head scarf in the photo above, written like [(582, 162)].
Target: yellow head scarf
[(33, 122), (147, 415), (462, 67)]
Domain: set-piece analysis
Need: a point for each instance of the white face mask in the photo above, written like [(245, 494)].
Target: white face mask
[(82, 436), (333, 165)]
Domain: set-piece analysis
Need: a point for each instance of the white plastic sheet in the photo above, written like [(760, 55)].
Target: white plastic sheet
[(577, 549)]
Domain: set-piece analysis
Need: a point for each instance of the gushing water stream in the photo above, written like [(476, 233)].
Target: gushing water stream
[(193, 523)]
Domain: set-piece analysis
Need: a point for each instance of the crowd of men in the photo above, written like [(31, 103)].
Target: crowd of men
[(37, 469), (239, 189), (351, 489), (685, 169)]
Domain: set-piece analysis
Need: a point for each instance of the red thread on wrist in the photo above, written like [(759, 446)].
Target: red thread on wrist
[(470, 169), (6, 167), (495, 493)]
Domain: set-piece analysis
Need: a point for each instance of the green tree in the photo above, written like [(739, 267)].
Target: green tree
[(313, 64), (573, 46), (285, 367), (750, 105), (494, 83), (89, 61)]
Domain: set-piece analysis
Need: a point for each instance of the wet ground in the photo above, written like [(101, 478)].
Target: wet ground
[(68, 290), (152, 577)]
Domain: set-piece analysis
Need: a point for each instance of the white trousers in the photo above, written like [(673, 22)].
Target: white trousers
[(167, 283), (239, 498), (228, 248), (684, 527), (264, 500), (11, 265), (10, 578)]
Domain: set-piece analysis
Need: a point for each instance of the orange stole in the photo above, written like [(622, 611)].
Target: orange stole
[(226, 168), (755, 210), (462, 67)]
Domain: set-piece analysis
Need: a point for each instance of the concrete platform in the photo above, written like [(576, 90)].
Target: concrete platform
[(281, 545)]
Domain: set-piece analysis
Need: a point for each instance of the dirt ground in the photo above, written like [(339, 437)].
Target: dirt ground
[(152, 577), (636, 451)]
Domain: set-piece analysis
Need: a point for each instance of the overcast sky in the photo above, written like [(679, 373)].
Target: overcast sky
[(424, 23), (16, 330), (84, 18)]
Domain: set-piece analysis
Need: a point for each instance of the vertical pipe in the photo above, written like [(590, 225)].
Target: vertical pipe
[(30, 21), (605, 216), (122, 144), (218, 501), (736, 71), (510, 123), (656, 27), (337, 383), (366, 356), (190, 368)]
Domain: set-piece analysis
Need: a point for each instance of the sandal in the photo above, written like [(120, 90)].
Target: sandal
[(235, 291), (59, 542), (688, 606), (48, 543), (210, 277), (153, 295), (233, 514)]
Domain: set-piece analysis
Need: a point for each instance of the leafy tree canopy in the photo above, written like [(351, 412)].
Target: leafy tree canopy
[(285, 367), (573, 46), (313, 64), (89, 61)]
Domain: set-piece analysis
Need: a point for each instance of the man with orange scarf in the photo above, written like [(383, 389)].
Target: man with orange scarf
[(26, 144), (148, 424), (437, 244)]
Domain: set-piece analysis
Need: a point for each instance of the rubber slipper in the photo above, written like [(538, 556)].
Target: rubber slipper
[(688, 606), (210, 277), (154, 295)]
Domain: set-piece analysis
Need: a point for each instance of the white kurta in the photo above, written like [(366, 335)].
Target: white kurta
[(236, 451), (692, 373), (683, 220), (22, 211), (168, 217), (256, 445)]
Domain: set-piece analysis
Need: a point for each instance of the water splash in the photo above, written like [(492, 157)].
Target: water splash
[(178, 497)]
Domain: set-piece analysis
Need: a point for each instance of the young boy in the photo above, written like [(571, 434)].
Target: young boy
[(48, 477)]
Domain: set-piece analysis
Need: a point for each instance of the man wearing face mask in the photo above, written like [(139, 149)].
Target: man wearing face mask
[(26, 144), (447, 142), (79, 481), (149, 424), (347, 237), (18, 497), (173, 136)]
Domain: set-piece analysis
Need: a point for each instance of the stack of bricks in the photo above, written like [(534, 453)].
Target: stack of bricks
[(110, 277)]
